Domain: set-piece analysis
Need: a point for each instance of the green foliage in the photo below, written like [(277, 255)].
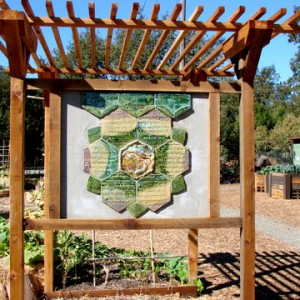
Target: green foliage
[(37, 198), (4, 237), (34, 247), (177, 268), (4, 171), (284, 169)]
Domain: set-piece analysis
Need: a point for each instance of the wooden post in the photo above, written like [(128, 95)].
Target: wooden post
[(16, 215), (247, 207), (214, 155), (52, 176), (193, 254)]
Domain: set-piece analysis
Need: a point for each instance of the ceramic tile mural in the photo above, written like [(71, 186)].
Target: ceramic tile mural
[(135, 159)]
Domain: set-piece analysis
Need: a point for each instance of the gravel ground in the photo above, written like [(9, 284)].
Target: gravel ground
[(277, 249)]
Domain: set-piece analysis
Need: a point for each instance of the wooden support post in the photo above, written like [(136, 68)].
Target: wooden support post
[(52, 176), (244, 48), (214, 155), (16, 215), (247, 261), (193, 254)]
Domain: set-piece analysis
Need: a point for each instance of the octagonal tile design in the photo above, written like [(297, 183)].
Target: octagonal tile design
[(137, 159)]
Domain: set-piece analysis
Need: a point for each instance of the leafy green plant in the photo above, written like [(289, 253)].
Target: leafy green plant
[(37, 198), (284, 169), (34, 247), (177, 268), (199, 284), (4, 237), (4, 171), (3, 186)]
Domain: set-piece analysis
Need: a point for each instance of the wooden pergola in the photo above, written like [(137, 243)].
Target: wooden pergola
[(238, 55)]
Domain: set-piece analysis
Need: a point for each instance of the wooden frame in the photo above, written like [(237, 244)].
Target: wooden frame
[(22, 31)]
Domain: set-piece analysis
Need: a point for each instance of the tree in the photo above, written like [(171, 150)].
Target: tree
[(4, 105)]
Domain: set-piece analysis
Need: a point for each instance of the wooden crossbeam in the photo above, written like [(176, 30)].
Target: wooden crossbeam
[(134, 224), (38, 31), (71, 14), (50, 11), (292, 19), (154, 14), (195, 15), (113, 14), (91, 7), (133, 15), (226, 68), (163, 36), (215, 16)]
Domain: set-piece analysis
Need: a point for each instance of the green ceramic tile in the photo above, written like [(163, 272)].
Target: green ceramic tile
[(179, 135), (171, 159), (103, 159), (99, 104), (153, 191), (118, 191), (94, 134), (173, 105), (154, 128), (136, 209), (136, 104), (178, 185), (94, 185), (137, 159), (119, 128)]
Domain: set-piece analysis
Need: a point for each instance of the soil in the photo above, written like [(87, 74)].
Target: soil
[(277, 262)]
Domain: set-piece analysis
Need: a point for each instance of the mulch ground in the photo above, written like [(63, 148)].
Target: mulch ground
[(277, 264)]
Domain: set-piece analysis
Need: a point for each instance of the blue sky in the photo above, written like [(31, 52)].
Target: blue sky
[(278, 52)]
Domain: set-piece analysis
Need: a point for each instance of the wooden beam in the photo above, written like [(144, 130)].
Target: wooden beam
[(214, 155), (195, 15), (17, 129), (193, 254), (245, 37), (163, 36), (187, 290), (3, 49), (133, 15), (4, 5), (71, 14), (131, 224), (93, 35), (56, 34), (134, 85), (154, 15), (20, 40), (113, 14)]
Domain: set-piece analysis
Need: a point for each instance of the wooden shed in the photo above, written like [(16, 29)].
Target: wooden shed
[(237, 56)]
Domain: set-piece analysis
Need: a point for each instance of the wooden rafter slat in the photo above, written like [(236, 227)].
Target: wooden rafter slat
[(217, 64), (32, 52), (226, 68), (91, 6), (4, 5), (133, 15), (213, 18), (38, 31), (292, 19), (195, 15), (163, 36), (278, 15), (113, 14), (71, 14), (258, 14), (50, 11), (3, 49), (153, 16)]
